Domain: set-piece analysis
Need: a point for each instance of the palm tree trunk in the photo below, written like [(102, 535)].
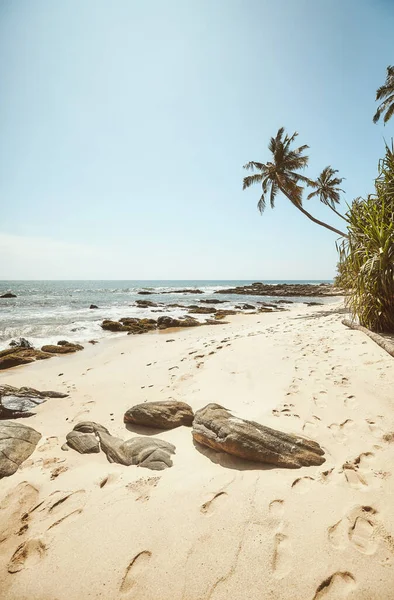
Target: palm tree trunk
[(338, 213), (305, 212)]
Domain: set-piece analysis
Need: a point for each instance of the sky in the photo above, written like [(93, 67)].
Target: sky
[(124, 127)]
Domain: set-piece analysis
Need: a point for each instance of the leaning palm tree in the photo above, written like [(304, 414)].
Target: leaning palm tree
[(282, 174), (327, 189), (386, 94)]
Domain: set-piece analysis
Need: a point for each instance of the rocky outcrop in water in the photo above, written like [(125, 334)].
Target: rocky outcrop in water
[(17, 443), (62, 347), (8, 295), (13, 357), (284, 289), (214, 426), (167, 414), (148, 452)]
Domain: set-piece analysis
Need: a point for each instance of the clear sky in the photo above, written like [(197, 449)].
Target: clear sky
[(124, 127)]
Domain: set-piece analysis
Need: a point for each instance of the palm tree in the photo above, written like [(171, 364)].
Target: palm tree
[(386, 93), (327, 188), (282, 175)]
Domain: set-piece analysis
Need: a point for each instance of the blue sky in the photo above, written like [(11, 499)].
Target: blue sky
[(125, 125)]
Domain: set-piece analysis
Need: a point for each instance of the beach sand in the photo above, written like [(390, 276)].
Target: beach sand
[(212, 527)]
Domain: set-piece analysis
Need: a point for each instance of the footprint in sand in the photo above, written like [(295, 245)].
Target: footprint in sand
[(15, 508), (341, 431), (108, 479), (302, 485), (134, 570), (277, 508), (374, 428), (61, 506), (336, 587), (48, 444), (320, 399), (281, 559), (350, 401), (26, 555), (356, 471), (209, 506), (359, 528), (142, 488)]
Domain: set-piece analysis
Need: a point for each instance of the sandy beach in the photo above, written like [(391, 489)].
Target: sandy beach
[(211, 527)]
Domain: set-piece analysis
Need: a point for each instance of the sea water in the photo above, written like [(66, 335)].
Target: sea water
[(47, 311)]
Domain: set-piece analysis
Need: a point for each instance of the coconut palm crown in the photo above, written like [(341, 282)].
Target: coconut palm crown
[(386, 94), (327, 189), (282, 174)]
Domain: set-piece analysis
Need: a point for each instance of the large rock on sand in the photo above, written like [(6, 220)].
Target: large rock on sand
[(148, 452), (62, 347), (161, 415), (214, 426), (17, 443), (84, 443), (19, 402)]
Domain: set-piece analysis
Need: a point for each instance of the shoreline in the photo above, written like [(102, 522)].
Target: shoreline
[(205, 527)]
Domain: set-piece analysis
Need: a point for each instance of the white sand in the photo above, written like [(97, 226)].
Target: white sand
[(210, 528)]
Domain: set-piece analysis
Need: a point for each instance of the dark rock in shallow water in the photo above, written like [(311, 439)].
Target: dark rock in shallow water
[(202, 310), (284, 289), (145, 303), (145, 293), (214, 426), (210, 301), (23, 343), (183, 291), (108, 325), (8, 295), (93, 306), (148, 452), (169, 322), (167, 414), (17, 443)]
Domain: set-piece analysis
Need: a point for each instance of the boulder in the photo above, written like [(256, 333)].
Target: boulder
[(84, 443), (14, 360), (17, 443), (284, 289), (220, 314), (210, 301), (19, 355), (62, 347), (145, 303), (143, 293), (183, 291), (214, 426), (108, 325), (167, 414), (8, 295), (202, 310), (19, 402), (93, 306), (167, 322), (148, 452), (23, 343)]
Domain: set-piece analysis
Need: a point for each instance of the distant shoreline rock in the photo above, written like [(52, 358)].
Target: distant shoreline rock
[(8, 295), (284, 289)]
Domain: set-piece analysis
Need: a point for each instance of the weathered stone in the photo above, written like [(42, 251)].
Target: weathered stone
[(19, 402), (143, 293), (145, 303), (214, 426), (17, 443), (214, 301), (220, 314), (84, 443), (167, 322), (14, 360), (202, 310), (284, 289), (148, 452), (62, 347), (8, 295), (167, 414), (108, 325), (22, 343), (183, 291), (93, 306)]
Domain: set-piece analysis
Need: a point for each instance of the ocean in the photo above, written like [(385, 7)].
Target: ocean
[(46, 311)]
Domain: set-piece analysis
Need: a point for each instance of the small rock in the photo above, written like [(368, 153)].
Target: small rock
[(93, 306), (8, 295)]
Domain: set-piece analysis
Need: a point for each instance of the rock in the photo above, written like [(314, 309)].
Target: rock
[(17, 443), (84, 443), (62, 347), (12, 357), (93, 306), (248, 307), (167, 322), (138, 326), (148, 452), (23, 343), (220, 314), (143, 293), (210, 301), (184, 291), (214, 426), (8, 295), (202, 310), (314, 303), (93, 342), (167, 414), (216, 321), (108, 325), (19, 402), (284, 289), (14, 360), (145, 303)]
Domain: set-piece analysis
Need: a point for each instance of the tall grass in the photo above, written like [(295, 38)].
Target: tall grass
[(366, 268)]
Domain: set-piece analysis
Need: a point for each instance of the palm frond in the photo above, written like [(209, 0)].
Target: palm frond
[(251, 180)]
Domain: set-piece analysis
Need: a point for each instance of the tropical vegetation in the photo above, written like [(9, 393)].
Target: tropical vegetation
[(385, 93), (283, 174)]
